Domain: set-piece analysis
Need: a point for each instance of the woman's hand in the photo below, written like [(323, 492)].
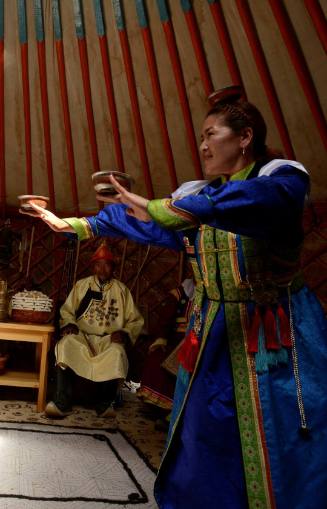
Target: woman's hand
[(137, 205), (55, 223)]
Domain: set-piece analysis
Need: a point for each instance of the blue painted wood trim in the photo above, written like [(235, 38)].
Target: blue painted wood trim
[(78, 18), (141, 13), (163, 10), (186, 5), (56, 18), (38, 18), (2, 20), (22, 22), (119, 14), (99, 19)]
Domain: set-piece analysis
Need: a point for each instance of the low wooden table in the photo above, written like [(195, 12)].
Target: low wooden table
[(32, 333)]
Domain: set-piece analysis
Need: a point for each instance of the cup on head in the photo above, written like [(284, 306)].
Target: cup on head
[(226, 94)]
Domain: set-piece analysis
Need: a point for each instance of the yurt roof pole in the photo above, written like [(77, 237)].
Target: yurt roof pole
[(39, 29), (178, 73), (120, 22), (300, 65), (22, 29), (2, 116), (64, 100), (225, 41), (263, 69), (101, 29), (80, 33), (156, 89), (319, 20), (197, 45)]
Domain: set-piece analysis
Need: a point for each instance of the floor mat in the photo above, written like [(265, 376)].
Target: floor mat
[(59, 467)]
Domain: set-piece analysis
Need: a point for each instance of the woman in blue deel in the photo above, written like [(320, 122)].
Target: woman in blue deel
[(249, 421)]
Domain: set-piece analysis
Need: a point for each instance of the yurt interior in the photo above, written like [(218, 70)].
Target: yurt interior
[(90, 86)]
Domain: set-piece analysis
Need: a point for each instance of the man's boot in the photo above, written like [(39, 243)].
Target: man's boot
[(106, 396), (61, 406)]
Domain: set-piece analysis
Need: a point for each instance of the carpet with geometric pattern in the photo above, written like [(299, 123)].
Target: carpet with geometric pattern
[(61, 467)]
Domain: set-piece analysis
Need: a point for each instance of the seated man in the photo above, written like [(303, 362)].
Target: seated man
[(98, 320)]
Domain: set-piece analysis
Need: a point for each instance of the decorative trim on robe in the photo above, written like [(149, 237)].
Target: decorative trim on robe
[(166, 214), (81, 227)]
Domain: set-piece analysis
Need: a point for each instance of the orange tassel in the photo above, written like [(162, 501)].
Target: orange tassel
[(284, 327), (269, 324), (188, 351), (253, 334)]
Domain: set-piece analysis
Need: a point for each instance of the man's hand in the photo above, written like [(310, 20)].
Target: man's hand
[(71, 328), (119, 336)]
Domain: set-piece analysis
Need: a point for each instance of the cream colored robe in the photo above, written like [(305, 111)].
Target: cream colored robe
[(91, 354)]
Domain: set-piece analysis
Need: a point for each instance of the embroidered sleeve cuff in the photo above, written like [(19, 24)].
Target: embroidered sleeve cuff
[(165, 213), (81, 227)]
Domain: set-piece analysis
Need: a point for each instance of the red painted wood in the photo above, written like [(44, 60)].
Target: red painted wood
[(111, 102), (300, 65), (2, 134), (88, 102), (46, 119), (67, 124), (136, 112), (156, 90), (319, 20), (27, 118), (226, 43), (199, 52), (178, 73), (264, 72)]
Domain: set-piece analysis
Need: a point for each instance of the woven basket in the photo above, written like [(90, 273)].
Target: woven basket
[(30, 316)]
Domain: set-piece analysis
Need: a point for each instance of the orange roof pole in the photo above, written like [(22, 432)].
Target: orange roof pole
[(133, 97), (180, 83), (22, 28), (2, 118), (64, 101), (197, 46), (79, 26), (101, 29), (39, 29), (156, 90), (263, 69)]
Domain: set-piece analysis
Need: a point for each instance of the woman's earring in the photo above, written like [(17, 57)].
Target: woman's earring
[(243, 151)]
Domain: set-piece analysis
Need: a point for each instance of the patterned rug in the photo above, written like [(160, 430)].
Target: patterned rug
[(132, 418), (48, 467)]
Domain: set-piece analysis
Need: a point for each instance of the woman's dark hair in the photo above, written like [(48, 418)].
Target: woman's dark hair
[(239, 114)]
